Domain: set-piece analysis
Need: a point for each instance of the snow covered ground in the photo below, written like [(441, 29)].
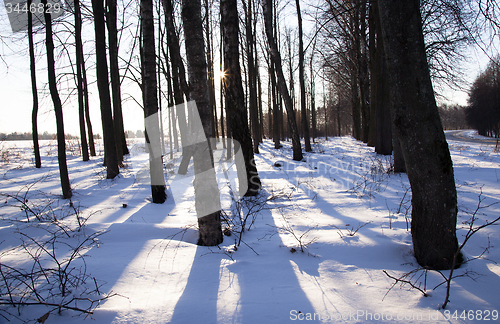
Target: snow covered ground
[(315, 246)]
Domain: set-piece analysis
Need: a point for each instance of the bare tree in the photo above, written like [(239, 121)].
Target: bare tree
[(111, 160), (416, 119), (380, 116), (267, 6), (207, 200), (56, 100), (34, 90), (151, 103), (233, 90), (302, 81), (79, 78), (114, 69)]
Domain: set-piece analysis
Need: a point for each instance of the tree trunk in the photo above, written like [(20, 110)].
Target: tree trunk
[(380, 116), (79, 86), (151, 103), (34, 91), (234, 94), (207, 200), (276, 111), (276, 58), (252, 76), (221, 53), (364, 85), (210, 66), (424, 147), (313, 95), (114, 72), (178, 80), (302, 81), (355, 71), (90, 133), (61, 144), (111, 160)]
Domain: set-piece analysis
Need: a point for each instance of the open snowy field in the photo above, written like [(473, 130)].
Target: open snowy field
[(314, 248)]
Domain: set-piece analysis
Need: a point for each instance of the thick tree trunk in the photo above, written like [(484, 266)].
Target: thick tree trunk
[(34, 91), (151, 103), (111, 160), (424, 147), (276, 58), (207, 200), (61, 144), (302, 81), (79, 77), (234, 94)]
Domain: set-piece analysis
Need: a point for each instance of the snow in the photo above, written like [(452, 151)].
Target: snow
[(350, 215)]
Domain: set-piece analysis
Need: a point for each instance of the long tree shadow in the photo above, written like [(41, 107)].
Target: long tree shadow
[(257, 286)]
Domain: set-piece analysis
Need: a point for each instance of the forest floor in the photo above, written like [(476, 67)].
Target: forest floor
[(320, 243)]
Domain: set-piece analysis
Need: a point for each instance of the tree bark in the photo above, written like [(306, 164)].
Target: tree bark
[(111, 160), (61, 143), (234, 94), (207, 200), (151, 103), (276, 58), (425, 150)]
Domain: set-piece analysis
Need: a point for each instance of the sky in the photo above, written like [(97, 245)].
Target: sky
[(16, 103)]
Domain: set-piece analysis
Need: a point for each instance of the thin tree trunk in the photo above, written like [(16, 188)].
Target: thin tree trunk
[(111, 160), (207, 200), (276, 111), (313, 96), (90, 133), (81, 103), (302, 81), (275, 55), (151, 103), (178, 81), (114, 71), (210, 66), (416, 118), (61, 144), (221, 57), (234, 95), (364, 85), (252, 76), (380, 117), (34, 91)]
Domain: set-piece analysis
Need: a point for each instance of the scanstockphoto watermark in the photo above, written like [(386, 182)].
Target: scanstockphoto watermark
[(231, 169), (368, 316)]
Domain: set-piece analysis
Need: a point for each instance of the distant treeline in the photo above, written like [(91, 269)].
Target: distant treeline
[(453, 117), (27, 136)]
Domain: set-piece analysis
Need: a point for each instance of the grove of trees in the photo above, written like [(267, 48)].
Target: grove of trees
[(371, 69), (483, 111)]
